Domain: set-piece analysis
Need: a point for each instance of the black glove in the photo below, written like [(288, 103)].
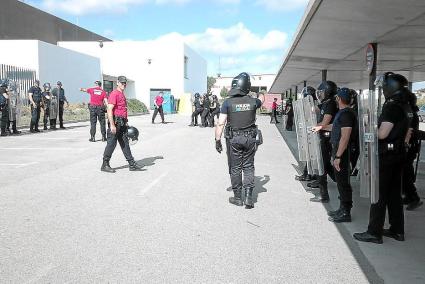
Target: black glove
[(218, 146)]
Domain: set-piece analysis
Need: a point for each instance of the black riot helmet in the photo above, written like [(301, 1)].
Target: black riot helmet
[(326, 90), (309, 91), (132, 135), (391, 83), (242, 82), (354, 96), (412, 99), (4, 83), (197, 95), (46, 87)]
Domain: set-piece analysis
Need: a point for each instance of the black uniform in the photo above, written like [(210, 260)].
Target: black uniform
[(46, 118), (240, 136), (214, 111), (198, 110), (205, 112), (328, 107), (344, 118), (62, 99), (391, 159), (4, 107), (35, 111), (290, 120)]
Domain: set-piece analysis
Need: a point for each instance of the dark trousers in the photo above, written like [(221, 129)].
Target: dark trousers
[(120, 137), (204, 116), (408, 179), (35, 116), (390, 168), (195, 114), (61, 113), (273, 115), (343, 180), (161, 113), (97, 113), (4, 118), (214, 112), (47, 118), (354, 153), (290, 121), (326, 148), (13, 125), (240, 153)]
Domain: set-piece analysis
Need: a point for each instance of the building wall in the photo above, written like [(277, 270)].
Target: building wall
[(53, 63), (196, 81), (22, 21), (260, 80)]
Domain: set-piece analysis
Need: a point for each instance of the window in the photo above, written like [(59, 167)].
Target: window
[(186, 61)]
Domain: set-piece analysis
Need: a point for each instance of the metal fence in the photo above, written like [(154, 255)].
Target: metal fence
[(24, 77)]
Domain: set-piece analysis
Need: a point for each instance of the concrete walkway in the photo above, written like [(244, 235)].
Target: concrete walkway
[(64, 221)]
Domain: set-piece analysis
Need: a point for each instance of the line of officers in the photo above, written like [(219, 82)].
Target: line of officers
[(398, 146), (208, 107)]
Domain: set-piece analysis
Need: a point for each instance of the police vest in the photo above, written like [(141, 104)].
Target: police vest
[(336, 126), (398, 132), (36, 94), (197, 104), (241, 113), (325, 105)]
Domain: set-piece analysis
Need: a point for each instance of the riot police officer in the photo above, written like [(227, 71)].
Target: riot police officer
[(342, 133), (4, 106), (35, 97), (411, 197), (355, 145), (60, 93), (393, 124), (97, 109), (307, 91), (205, 113), (198, 110), (239, 111), (290, 114), (328, 109), (214, 109), (14, 103), (46, 94)]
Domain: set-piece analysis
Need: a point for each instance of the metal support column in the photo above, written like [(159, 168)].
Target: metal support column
[(296, 92), (324, 75)]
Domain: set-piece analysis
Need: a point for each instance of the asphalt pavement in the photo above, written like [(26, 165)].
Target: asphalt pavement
[(64, 221)]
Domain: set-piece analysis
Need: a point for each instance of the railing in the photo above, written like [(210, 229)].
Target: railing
[(23, 76)]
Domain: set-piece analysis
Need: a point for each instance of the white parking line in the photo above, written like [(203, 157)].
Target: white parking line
[(18, 166), (152, 184)]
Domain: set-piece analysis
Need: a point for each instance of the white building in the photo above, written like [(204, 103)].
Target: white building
[(53, 63), (166, 64), (260, 82)]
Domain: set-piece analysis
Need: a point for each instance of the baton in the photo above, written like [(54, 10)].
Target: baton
[(417, 159)]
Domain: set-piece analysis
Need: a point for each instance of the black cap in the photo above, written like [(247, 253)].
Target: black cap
[(122, 79), (98, 83)]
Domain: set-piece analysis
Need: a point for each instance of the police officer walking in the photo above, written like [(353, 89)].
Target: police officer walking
[(343, 127), (60, 92), (35, 97), (205, 113), (158, 103), (393, 124), (97, 107), (117, 116), (328, 108), (214, 109), (238, 114), (198, 110)]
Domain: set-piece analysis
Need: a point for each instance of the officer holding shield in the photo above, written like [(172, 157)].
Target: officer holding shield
[(35, 97), (238, 115), (393, 125), (15, 104), (326, 93)]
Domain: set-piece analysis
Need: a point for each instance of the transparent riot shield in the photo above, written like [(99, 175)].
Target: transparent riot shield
[(301, 131), (54, 106), (15, 103), (369, 159), (315, 161)]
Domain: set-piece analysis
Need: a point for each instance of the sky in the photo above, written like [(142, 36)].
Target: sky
[(232, 35)]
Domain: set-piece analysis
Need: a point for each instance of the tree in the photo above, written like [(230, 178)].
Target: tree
[(210, 83), (224, 93)]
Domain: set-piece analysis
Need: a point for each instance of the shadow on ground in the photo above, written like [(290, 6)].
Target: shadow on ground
[(259, 186), (146, 162)]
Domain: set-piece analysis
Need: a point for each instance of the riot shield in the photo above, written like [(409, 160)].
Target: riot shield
[(301, 131), (369, 159), (315, 161), (54, 106), (15, 103)]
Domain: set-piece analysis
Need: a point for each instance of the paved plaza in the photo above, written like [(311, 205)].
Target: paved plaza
[(64, 221)]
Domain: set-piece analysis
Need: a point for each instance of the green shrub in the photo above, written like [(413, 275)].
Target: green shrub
[(136, 106)]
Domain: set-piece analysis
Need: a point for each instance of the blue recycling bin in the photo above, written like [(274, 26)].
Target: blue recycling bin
[(169, 105)]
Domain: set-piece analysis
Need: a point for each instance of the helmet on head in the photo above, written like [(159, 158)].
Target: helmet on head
[(391, 83), (132, 135), (242, 82), (4, 83), (46, 86), (309, 91), (353, 97), (326, 90), (197, 95)]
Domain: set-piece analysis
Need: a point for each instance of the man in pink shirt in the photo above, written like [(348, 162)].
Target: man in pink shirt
[(274, 111), (97, 108), (117, 116), (159, 101)]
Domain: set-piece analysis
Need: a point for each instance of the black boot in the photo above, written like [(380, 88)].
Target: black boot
[(103, 138), (3, 132), (237, 199), (313, 184), (249, 203), (106, 167), (92, 139), (133, 166), (323, 198), (343, 216), (335, 212), (367, 237)]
